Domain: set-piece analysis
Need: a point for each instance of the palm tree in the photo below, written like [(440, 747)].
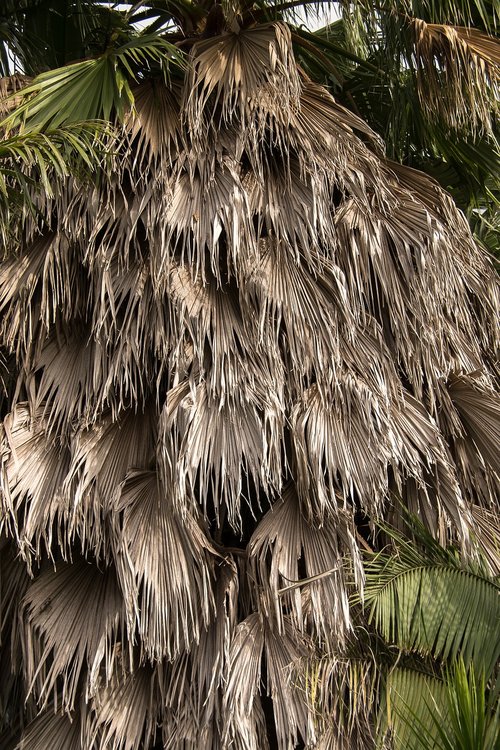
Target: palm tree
[(247, 337)]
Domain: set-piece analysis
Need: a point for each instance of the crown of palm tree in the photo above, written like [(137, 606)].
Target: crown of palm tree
[(244, 331)]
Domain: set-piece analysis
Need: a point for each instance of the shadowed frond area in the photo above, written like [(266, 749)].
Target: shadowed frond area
[(71, 618), (233, 353)]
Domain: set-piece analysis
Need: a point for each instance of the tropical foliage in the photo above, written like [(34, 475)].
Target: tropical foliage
[(236, 335)]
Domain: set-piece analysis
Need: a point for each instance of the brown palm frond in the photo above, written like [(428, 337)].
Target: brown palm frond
[(165, 567), (38, 286), (34, 468), (208, 446), (479, 410), (458, 74), (154, 126), (59, 731), (248, 75), (71, 619), (9, 87), (245, 726), (284, 544), (125, 711), (101, 457)]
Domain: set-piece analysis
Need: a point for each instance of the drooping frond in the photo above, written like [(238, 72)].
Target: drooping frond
[(33, 472), (125, 711), (458, 74), (165, 567), (59, 731), (254, 637), (292, 543), (71, 619), (247, 75), (208, 447)]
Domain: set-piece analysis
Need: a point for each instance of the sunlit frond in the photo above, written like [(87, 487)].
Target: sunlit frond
[(165, 566), (90, 89)]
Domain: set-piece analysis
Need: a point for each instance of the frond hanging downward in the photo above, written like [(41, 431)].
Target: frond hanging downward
[(458, 74)]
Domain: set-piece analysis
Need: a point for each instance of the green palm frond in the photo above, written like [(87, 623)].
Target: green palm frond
[(431, 606), (91, 89), (451, 714), (412, 699)]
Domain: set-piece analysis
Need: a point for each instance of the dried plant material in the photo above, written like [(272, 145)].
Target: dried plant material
[(71, 619), (165, 566), (458, 74)]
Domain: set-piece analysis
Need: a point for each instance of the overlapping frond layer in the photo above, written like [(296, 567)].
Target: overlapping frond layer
[(285, 537), (54, 730), (255, 332)]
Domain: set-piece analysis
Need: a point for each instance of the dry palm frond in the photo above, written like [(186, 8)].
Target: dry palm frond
[(209, 446), (256, 298), (9, 87), (154, 126), (242, 74), (125, 711), (290, 543), (71, 619), (255, 637), (59, 731), (36, 287), (479, 410), (241, 699), (458, 74), (33, 472), (101, 456), (165, 566)]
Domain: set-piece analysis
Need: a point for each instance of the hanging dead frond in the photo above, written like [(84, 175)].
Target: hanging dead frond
[(165, 566), (36, 287), (101, 456), (302, 567), (458, 74), (248, 76), (125, 711), (34, 467), (59, 731), (208, 447), (71, 619)]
